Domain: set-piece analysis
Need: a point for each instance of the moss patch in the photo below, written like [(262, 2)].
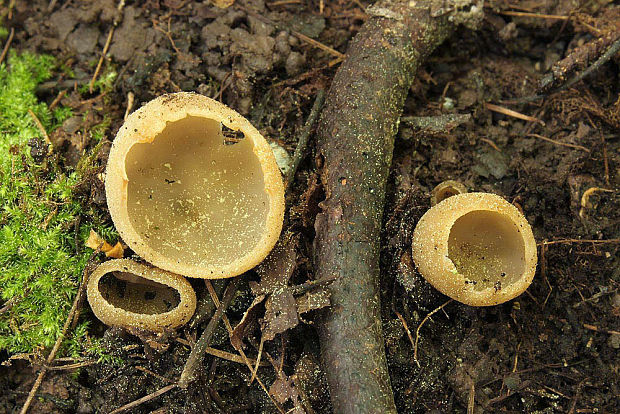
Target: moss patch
[(40, 262)]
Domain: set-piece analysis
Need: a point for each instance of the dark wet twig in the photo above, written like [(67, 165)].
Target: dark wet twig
[(206, 306), (302, 143), (198, 351), (355, 140), (605, 57)]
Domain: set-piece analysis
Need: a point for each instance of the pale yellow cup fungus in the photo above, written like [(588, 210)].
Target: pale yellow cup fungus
[(125, 293), (446, 189), (187, 201), (476, 248)]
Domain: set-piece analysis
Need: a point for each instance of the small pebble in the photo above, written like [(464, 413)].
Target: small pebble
[(294, 63)]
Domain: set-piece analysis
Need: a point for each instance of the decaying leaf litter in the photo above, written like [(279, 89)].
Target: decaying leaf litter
[(552, 349)]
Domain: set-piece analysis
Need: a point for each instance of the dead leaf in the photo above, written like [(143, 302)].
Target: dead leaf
[(283, 390), (240, 331), (280, 313), (276, 270), (116, 252), (314, 299), (95, 241)]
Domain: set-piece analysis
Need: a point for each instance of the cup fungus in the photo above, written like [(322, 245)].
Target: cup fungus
[(446, 189), (124, 293), (476, 248), (187, 198)]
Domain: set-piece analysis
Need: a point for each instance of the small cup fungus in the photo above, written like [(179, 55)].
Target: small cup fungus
[(124, 293), (446, 189), (184, 198), (476, 248)]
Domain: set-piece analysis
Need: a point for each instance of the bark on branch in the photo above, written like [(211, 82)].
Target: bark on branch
[(355, 138)]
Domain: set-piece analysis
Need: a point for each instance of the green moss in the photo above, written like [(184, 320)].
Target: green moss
[(40, 263)]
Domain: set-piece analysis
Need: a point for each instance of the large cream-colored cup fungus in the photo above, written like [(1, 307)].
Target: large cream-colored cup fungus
[(124, 293), (476, 248), (184, 198)]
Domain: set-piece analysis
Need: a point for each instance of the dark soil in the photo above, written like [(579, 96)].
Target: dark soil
[(553, 349)]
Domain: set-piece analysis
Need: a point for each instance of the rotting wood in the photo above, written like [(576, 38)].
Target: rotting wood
[(355, 139)]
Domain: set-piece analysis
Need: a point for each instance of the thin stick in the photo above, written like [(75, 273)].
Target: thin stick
[(52, 354), (553, 141), (471, 399), (576, 397), (130, 99), (198, 351), (144, 399), (41, 128), (260, 354), (491, 143), (514, 114), (154, 374), (611, 51), (605, 159), (120, 6), (283, 3), (570, 241), (223, 354), (404, 322), (100, 62), (417, 331), (319, 45), (71, 366), (304, 287), (9, 304), (597, 329), (7, 45), (302, 143), (51, 5), (57, 99), (534, 15)]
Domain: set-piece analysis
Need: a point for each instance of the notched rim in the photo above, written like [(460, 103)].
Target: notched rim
[(154, 116)]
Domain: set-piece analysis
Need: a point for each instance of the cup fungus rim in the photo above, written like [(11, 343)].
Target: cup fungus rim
[(154, 116), (441, 272), (157, 322)]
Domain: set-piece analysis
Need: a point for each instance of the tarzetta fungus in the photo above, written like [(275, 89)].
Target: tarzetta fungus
[(125, 293), (188, 199), (446, 189), (476, 248)]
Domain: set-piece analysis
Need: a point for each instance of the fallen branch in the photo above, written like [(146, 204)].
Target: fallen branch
[(355, 139)]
